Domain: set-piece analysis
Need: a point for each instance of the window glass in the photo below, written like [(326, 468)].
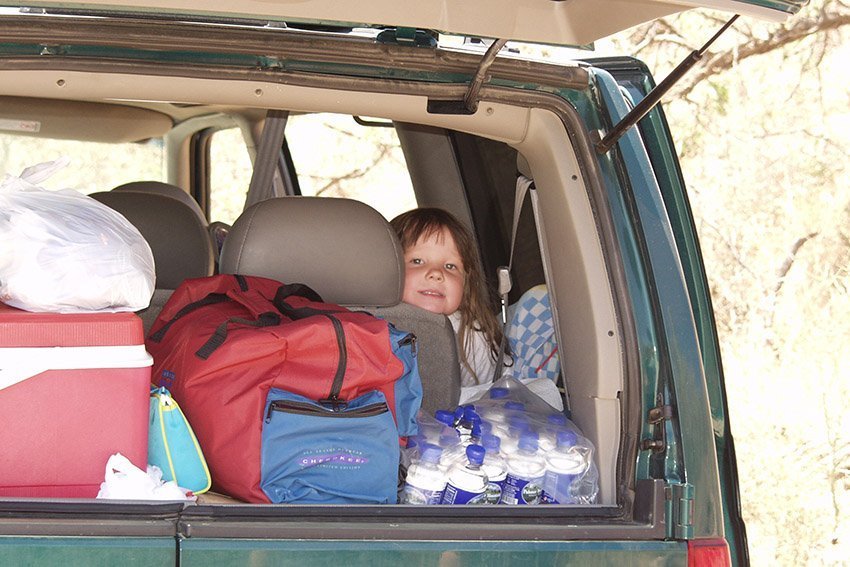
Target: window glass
[(94, 166), (230, 174), (335, 156)]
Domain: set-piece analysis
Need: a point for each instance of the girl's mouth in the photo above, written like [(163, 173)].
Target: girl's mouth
[(431, 293)]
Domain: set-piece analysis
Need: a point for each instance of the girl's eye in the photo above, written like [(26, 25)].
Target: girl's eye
[(416, 261), (451, 267)]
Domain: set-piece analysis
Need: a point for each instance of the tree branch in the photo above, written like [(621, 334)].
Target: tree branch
[(802, 28)]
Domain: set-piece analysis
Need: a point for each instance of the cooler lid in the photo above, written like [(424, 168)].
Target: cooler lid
[(20, 329)]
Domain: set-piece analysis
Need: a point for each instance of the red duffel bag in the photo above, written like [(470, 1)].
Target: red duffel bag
[(222, 342)]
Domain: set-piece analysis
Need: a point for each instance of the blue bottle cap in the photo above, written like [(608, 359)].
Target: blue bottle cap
[(475, 454), (557, 419), (518, 406), (491, 442), (444, 416), (499, 393), (528, 441), (519, 421), (566, 438), (458, 414), (469, 414), (430, 453)]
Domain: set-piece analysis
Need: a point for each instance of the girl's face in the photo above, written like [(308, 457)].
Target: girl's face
[(434, 275)]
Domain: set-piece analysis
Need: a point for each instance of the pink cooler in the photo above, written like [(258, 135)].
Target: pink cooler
[(74, 389)]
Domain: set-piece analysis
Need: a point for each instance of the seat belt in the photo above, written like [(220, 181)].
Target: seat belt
[(264, 183), (524, 187)]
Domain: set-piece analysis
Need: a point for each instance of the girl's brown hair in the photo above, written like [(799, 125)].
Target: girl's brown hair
[(476, 313)]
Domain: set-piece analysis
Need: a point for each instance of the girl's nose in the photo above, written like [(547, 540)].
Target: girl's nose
[(436, 274)]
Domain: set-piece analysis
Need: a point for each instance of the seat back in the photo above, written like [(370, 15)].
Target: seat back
[(349, 254), (166, 189), (178, 239)]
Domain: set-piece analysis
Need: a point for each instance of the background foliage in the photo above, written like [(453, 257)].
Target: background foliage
[(762, 126)]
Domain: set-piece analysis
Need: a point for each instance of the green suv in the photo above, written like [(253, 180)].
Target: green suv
[(399, 105)]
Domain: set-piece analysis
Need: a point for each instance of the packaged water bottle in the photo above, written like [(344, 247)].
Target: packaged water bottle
[(555, 423), (526, 468), (467, 422), (445, 417), (499, 393), (425, 481), (494, 410), (495, 468), (452, 450), (467, 483), (511, 431), (564, 466), (410, 453)]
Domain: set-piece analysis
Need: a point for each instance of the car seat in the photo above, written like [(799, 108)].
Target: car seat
[(217, 230), (350, 255), (178, 239)]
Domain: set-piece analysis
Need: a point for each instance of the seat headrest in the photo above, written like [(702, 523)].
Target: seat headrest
[(166, 189), (343, 249), (179, 241)]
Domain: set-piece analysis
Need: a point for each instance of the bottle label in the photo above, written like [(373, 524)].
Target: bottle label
[(455, 495), (493, 491), (556, 488), (420, 496), (521, 491)]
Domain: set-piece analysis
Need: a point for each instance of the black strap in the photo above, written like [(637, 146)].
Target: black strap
[(267, 319), (211, 299)]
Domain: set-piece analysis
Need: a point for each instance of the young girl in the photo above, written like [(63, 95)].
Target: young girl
[(443, 275)]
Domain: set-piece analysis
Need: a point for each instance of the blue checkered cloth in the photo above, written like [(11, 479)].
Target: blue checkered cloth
[(531, 336)]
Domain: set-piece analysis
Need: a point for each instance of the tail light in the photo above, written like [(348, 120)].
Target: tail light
[(708, 553)]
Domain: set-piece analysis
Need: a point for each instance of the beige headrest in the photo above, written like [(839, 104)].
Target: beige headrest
[(343, 249), (179, 241)]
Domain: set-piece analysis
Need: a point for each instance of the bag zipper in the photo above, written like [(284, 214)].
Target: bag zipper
[(303, 408), (409, 339), (333, 399)]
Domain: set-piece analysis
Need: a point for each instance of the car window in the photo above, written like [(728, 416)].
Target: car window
[(230, 174), (94, 166), (336, 156)]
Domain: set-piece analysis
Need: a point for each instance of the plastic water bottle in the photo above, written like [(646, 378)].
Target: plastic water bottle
[(451, 447), (512, 431), (555, 423), (563, 466), (469, 418), (445, 417), (526, 468), (499, 393), (425, 481), (495, 468), (467, 482), (494, 410)]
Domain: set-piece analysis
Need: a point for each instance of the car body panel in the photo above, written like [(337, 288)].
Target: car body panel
[(200, 552), (635, 77), (573, 22)]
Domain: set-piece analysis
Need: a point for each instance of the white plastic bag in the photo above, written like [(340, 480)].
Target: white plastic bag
[(63, 251), (125, 481)]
